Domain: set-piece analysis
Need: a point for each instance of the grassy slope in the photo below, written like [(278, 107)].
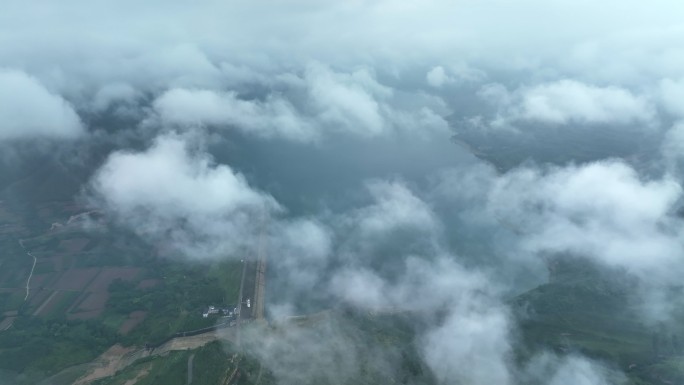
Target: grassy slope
[(584, 311)]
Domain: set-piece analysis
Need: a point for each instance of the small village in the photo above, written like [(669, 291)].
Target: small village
[(231, 311)]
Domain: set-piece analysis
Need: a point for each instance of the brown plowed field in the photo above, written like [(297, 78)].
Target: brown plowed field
[(76, 279), (95, 300), (57, 262), (50, 303), (43, 280), (109, 274)]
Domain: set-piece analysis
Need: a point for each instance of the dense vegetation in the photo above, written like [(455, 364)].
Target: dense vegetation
[(47, 346), (174, 305), (38, 346)]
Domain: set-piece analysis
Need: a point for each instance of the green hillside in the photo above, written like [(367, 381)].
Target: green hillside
[(595, 313)]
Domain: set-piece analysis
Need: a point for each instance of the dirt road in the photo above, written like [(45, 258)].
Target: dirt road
[(190, 361)]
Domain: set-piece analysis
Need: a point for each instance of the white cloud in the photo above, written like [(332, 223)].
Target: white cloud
[(111, 94), (269, 118), (362, 288), (352, 100), (567, 102), (169, 193), (548, 368), (471, 347), (306, 108), (437, 77), (601, 210), (495, 94), (395, 207), (234, 64), (167, 176), (327, 349), (672, 96), (570, 101), (384, 31), (471, 344), (29, 110), (303, 247), (171, 46)]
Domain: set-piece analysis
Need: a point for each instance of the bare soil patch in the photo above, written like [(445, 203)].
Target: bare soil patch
[(107, 364), (133, 320), (117, 357), (94, 301), (138, 376), (91, 303), (188, 343)]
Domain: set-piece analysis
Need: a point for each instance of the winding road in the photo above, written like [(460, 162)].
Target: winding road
[(28, 281)]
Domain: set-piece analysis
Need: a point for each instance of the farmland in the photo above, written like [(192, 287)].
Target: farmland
[(92, 286)]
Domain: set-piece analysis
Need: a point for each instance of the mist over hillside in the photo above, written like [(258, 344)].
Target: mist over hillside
[(445, 193)]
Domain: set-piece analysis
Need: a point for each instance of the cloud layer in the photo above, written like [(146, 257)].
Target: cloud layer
[(284, 70), (603, 210), (566, 102), (306, 107), (168, 193), (318, 73), (28, 110)]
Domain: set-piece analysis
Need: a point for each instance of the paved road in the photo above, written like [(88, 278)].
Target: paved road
[(239, 306), (259, 286)]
